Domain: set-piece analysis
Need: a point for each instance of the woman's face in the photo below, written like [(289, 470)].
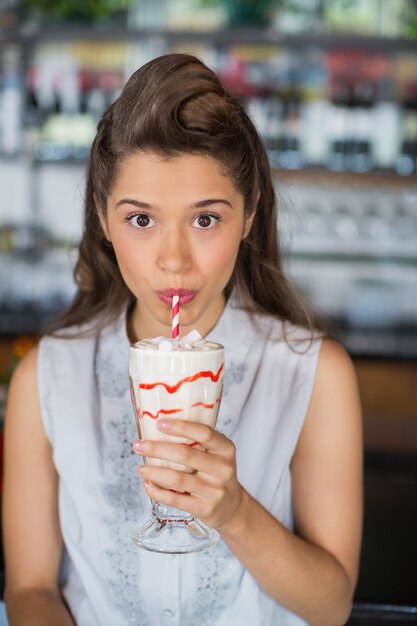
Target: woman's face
[(175, 225)]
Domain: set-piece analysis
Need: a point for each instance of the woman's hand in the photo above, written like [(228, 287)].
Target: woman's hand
[(211, 491)]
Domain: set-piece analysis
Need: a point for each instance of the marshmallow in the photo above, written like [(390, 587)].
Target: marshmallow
[(192, 336), (191, 341), (166, 344)]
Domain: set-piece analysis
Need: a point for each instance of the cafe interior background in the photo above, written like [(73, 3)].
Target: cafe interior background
[(332, 86)]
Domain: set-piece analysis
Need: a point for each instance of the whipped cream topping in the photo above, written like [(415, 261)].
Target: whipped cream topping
[(192, 341)]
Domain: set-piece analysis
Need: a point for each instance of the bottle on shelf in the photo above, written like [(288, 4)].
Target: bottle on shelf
[(385, 132), (407, 158), (11, 101), (363, 95)]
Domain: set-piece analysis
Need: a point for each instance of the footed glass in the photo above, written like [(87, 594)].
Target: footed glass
[(183, 383)]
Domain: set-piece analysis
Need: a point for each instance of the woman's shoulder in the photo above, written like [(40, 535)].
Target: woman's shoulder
[(68, 352), (335, 387), (334, 362), (85, 333), (25, 372), (63, 351), (335, 402), (245, 319), (79, 353), (278, 332)]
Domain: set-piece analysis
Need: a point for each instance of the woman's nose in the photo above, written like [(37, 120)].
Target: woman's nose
[(174, 252)]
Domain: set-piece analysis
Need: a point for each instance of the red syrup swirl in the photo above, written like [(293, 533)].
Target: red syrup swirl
[(161, 411), (206, 406), (189, 379), (173, 389), (171, 411)]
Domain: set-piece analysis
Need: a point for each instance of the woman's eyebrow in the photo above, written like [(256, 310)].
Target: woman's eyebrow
[(201, 204), (138, 203), (205, 203)]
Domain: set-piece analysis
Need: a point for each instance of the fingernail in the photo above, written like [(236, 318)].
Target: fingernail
[(145, 483), (163, 423), (139, 469), (137, 446)]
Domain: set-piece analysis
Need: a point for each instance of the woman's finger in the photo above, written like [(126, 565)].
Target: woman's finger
[(194, 504), (178, 481), (209, 438), (179, 453)]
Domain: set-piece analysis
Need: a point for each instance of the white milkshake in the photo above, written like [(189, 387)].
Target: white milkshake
[(182, 379)]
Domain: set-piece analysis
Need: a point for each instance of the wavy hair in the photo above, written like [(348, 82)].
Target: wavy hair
[(171, 106)]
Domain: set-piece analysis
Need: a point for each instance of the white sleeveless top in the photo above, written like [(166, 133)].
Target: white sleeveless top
[(88, 419)]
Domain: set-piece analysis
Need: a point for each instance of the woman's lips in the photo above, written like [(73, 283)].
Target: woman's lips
[(185, 295)]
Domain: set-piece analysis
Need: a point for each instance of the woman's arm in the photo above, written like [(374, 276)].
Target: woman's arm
[(31, 533), (313, 573)]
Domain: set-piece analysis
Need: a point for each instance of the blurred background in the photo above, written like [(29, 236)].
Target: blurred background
[(332, 87)]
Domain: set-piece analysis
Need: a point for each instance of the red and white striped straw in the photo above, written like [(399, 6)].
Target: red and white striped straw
[(175, 316)]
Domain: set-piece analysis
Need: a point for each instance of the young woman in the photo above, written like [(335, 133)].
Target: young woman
[(179, 199)]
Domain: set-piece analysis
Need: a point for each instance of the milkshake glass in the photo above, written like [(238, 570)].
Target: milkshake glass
[(182, 379)]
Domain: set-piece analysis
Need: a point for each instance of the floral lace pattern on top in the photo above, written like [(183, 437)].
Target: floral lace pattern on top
[(213, 566), (123, 493), (111, 376), (129, 505)]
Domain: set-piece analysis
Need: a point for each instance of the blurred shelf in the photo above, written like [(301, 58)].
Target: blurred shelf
[(28, 321), (67, 161), (59, 32), (383, 343), (355, 252), (327, 177), (305, 176), (33, 160)]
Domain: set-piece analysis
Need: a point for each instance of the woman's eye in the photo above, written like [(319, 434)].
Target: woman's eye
[(206, 220), (141, 220)]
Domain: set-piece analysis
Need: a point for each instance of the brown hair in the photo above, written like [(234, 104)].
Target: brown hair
[(176, 105)]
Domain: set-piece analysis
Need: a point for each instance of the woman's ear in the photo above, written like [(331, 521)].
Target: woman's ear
[(101, 217)]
